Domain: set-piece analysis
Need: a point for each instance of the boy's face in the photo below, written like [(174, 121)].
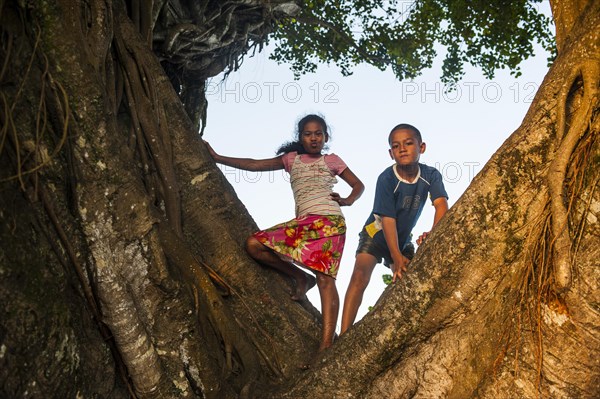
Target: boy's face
[(405, 147)]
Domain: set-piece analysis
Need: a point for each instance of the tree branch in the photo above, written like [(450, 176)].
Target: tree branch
[(311, 20)]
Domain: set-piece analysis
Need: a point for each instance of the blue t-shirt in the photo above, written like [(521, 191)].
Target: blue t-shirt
[(404, 201)]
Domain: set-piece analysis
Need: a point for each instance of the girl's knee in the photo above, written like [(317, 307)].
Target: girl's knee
[(253, 246)]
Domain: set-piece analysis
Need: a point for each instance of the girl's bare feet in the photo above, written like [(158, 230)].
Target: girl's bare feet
[(302, 286)]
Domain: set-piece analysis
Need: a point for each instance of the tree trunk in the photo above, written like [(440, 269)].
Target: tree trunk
[(99, 146), (122, 244), (486, 309)]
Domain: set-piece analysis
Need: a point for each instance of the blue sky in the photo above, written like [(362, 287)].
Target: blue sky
[(256, 108)]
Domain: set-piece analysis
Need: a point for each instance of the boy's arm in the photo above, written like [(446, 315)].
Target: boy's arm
[(441, 207), (391, 239)]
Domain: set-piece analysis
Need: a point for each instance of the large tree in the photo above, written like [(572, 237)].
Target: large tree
[(122, 267)]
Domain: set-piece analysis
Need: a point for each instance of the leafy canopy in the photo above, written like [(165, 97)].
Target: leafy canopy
[(406, 35)]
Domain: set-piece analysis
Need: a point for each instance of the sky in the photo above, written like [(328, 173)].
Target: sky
[(256, 108)]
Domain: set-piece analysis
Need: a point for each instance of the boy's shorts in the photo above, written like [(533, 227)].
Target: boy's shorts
[(367, 245)]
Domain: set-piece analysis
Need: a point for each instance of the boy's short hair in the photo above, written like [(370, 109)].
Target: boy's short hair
[(405, 126)]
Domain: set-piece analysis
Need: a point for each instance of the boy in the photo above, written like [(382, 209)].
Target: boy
[(400, 196)]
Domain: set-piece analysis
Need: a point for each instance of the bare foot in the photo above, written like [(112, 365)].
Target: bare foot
[(323, 347), (302, 286), (314, 362), (326, 344)]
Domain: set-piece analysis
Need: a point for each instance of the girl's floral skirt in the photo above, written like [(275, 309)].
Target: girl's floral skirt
[(312, 241)]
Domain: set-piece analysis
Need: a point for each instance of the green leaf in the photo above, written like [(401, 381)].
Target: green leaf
[(387, 279), (406, 37)]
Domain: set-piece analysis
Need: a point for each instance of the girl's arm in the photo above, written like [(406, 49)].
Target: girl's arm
[(441, 207), (357, 188), (254, 165)]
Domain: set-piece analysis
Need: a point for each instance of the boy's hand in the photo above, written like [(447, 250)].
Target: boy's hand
[(422, 238), (399, 266), (342, 201)]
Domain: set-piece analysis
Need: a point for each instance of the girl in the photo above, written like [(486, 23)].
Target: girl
[(315, 238)]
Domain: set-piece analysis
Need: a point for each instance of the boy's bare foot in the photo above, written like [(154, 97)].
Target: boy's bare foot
[(302, 287)]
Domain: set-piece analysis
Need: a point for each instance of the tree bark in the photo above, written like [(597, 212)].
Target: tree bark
[(483, 311), (99, 112), (567, 15)]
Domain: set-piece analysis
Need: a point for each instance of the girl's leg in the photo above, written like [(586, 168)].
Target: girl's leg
[(363, 268), (265, 256), (330, 306)]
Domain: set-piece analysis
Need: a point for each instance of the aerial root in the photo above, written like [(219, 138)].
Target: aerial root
[(207, 296), (557, 173), (554, 232)]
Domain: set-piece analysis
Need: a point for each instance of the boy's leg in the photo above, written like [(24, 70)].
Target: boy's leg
[(363, 268), (330, 306), (266, 256)]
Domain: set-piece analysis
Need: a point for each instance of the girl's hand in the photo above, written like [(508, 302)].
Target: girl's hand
[(342, 201), (399, 266), (210, 150), (357, 188)]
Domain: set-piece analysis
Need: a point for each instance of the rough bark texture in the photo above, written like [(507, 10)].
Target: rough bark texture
[(83, 98), (481, 314), (122, 262)]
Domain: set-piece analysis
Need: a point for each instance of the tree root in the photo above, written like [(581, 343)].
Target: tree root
[(549, 247), (273, 364), (206, 295), (148, 116), (556, 178), (82, 277), (56, 91)]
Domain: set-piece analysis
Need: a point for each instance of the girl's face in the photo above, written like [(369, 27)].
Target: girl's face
[(405, 147), (313, 138)]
